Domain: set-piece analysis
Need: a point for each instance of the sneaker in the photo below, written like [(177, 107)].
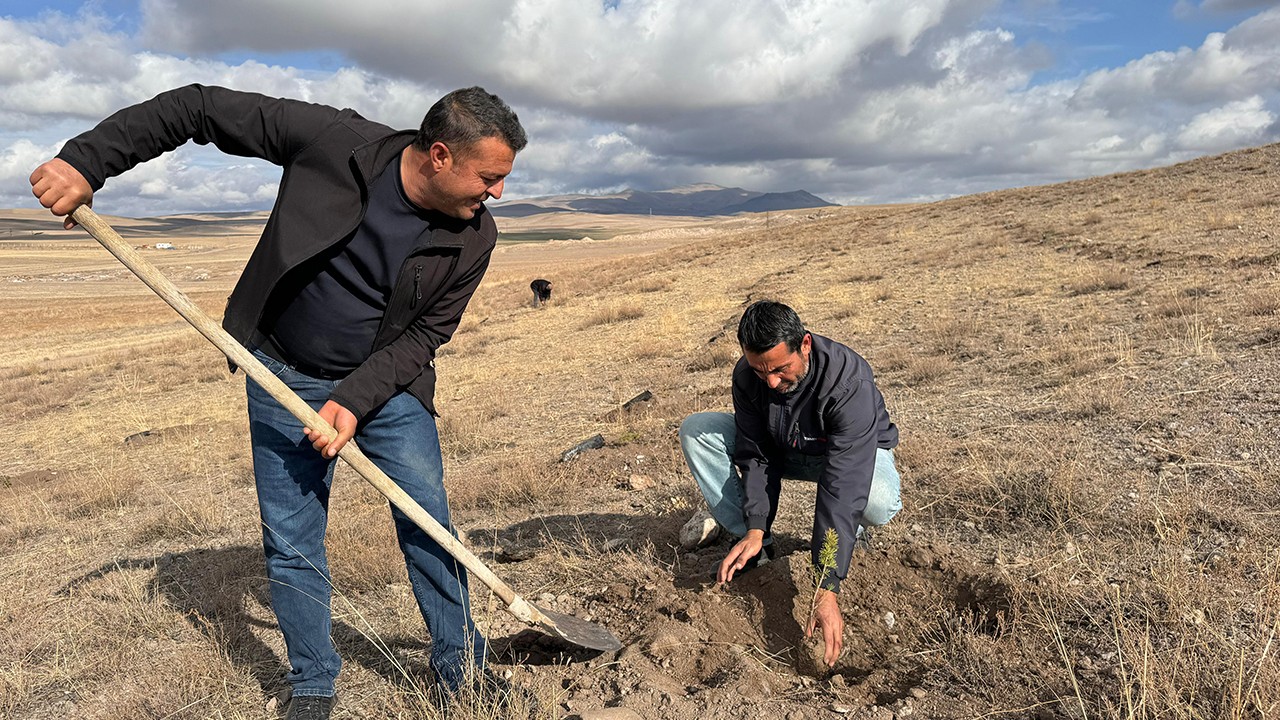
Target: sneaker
[(310, 707)]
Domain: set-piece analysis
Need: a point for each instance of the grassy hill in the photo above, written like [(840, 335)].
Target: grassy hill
[(1084, 376)]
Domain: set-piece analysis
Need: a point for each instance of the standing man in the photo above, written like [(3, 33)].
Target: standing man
[(375, 245), (804, 407)]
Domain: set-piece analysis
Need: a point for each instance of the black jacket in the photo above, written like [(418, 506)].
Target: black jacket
[(328, 156), (836, 412)]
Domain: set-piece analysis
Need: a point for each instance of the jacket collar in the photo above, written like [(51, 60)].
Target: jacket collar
[(373, 157)]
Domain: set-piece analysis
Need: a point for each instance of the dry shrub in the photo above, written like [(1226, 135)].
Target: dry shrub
[(889, 359), (1176, 307), (925, 369), (466, 433), (1088, 400), (1259, 304), (1192, 335), (650, 348), (104, 485), (716, 355), (613, 314), (1105, 280), (952, 336), (515, 480), (647, 284), (192, 512)]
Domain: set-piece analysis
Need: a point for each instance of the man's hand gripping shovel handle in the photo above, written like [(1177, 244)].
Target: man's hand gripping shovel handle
[(564, 626)]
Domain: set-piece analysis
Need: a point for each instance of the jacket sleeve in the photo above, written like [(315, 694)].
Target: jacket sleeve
[(237, 123), (845, 483), (393, 367), (751, 454)]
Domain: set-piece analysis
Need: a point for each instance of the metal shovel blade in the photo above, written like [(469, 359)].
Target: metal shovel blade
[(579, 632)]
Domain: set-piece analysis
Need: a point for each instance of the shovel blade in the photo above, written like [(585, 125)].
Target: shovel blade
[(577, 631)]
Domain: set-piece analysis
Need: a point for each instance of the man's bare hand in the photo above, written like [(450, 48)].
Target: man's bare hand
[(747, 548), (826, 614), (342, 420), (61, 188)]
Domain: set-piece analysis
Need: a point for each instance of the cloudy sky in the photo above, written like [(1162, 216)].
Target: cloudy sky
[(855, 100)]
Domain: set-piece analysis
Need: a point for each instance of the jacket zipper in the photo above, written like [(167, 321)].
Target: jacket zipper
[(417, 286)]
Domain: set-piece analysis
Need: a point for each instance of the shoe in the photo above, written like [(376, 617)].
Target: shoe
[(310, 707)]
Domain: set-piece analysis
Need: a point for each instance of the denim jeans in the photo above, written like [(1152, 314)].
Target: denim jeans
[(293, 499), (708, 440)]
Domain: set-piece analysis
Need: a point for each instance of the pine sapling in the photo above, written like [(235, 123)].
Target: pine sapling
[(826, 563)]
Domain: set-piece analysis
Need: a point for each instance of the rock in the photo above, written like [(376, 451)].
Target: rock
[(702, 529), (614, 713), (639, 482), (841, 709), (919, 693), (890, 620), (918, 558)]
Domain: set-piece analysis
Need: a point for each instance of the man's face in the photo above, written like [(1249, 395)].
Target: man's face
[(779, 367), (463, 180)]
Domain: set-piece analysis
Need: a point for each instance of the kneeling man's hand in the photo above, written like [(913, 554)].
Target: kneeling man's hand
[(826, 613), (342, 420), (747, 548)]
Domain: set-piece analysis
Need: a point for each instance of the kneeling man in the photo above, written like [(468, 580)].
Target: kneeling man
[(807, 408)]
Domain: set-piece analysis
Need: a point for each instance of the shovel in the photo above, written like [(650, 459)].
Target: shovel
[(566, 627)]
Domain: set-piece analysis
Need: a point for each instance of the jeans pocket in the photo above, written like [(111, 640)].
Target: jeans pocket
[(273, 366)]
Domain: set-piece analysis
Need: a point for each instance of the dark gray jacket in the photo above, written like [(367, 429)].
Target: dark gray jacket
[(837, 413), (328, 156)]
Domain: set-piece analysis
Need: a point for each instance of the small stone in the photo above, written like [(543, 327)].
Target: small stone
[(841, 709), (701, 529), (613, 713), (919, 693), (890, 620), (640, 482)]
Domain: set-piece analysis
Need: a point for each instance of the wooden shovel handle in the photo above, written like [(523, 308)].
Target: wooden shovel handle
[(237, 353)]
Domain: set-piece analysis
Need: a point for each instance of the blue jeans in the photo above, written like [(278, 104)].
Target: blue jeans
[(293, 499), (708, 440)]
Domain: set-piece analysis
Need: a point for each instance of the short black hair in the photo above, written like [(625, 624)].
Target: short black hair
[(464, 117), (766, 323)]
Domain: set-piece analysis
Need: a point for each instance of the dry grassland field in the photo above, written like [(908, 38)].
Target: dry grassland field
[(1084, 376)]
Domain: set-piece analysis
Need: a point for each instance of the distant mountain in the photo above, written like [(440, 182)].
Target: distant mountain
[(700, 200)]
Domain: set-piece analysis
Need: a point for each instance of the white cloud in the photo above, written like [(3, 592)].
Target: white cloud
[(871, 100), (1233, 125)]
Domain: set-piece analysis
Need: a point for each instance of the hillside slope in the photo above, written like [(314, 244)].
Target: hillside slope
[(1083, 376)]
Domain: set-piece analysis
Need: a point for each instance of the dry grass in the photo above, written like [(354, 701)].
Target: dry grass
[(613, 314), (1083, 376)]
